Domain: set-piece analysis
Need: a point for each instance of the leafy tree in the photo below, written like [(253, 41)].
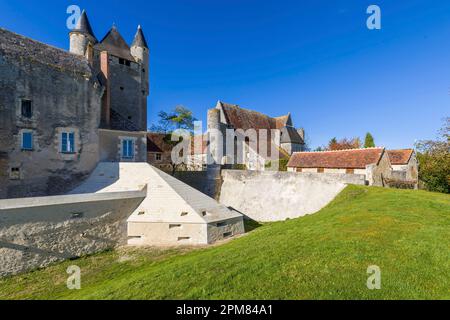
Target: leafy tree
[(344, 144), (180, 118), (434, 161), (369, 142)]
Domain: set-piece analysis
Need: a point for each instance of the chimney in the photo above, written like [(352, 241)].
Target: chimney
[(106, 99)]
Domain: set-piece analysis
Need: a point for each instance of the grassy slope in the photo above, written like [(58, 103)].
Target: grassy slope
[(323, 256)]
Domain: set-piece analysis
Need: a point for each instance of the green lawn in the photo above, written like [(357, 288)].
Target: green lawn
[(322, 256)]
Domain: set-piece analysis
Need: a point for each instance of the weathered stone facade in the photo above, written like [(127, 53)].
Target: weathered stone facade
[(57, 107)]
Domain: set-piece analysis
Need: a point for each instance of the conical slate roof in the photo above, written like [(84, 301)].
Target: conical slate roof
[(84, 26), (115, 44), (139, 39)]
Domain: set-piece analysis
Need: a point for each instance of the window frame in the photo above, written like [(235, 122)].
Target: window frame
[(67, 142), (22, 144), (127, 152), (29, 113)]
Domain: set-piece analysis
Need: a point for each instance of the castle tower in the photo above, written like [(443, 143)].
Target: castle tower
[(139, 48), (141, 53), (82, 38)]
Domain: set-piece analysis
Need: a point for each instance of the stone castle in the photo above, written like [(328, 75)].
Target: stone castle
[(64, 112)]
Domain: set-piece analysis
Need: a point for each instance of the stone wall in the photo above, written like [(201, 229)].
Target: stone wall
[(275, 196), (376, 174), (110, 145), (36, 232), (207, 182), (61, 99)]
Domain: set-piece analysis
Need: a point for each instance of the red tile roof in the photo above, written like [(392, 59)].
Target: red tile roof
[(156, 143), (400, 157), (343, 159)]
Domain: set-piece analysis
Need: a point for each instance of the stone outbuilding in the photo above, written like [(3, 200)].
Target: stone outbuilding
[(373, 163), (405, 166)]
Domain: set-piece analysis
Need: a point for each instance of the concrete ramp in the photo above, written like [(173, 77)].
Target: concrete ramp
[(172, 213)]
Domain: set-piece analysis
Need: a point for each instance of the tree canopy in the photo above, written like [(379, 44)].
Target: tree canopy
[(369, 141), (434, 161)]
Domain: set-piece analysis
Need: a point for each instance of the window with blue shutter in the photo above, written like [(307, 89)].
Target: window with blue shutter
[(68, 142), (128, 149), (27, 141)]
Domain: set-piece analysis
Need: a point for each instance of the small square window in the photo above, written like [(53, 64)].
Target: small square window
[(158, 157), (27, 141), (27, 109), (228, 234), (14, 173), (320, 170)]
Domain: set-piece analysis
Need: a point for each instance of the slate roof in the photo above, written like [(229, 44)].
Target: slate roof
[(291, 135), (139, 39), (400, 157), (17, 47), (343, 159), (84, 26), (115, 44)]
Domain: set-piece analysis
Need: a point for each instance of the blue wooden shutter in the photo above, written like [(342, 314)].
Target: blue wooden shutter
[(64, 142), (72, 142)]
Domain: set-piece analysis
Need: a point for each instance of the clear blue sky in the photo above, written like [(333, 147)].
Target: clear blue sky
[(315, 59)]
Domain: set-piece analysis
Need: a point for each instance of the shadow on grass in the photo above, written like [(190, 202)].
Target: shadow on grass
[(251, 225)]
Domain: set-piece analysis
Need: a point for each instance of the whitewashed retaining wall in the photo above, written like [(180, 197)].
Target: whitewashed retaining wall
[(275, 196)]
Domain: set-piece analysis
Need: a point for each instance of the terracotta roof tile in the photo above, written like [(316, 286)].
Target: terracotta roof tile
[(156, 143), (400, 157), (344, 159)]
